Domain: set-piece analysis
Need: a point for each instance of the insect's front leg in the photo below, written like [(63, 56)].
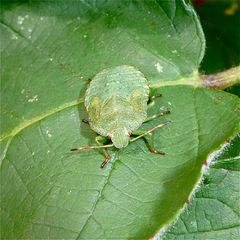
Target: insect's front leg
[(85, 121), (153, 94)]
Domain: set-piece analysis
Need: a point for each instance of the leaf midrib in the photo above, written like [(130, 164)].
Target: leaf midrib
[(29, 122)]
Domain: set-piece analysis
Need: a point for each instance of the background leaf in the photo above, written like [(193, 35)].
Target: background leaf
[(54, 47), (214, 212)]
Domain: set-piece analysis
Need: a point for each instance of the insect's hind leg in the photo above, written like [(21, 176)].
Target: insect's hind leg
[(151, 147), (143, 134), (98, 140)]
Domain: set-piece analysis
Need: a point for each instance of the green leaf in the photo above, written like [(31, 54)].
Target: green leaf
[(229, 159), (55, 47), (50, 50), (56, 194), (214, 212)]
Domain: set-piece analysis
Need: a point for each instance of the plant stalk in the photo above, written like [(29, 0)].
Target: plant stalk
[(221, 80)]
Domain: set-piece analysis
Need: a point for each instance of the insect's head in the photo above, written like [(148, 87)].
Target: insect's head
[(120, 137)]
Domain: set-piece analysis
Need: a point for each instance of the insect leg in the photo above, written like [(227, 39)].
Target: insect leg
[(143, 134), (153, 95), (156, 95), (77, 149), (85, 121), (156, 116), (151, 147), (146, 141), (149, 131), (98, 140)]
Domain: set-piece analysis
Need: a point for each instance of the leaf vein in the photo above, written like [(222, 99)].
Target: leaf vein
[(36, 119), (97, 199)]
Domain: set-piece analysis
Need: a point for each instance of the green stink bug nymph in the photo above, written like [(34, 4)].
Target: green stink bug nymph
[(116, 102)]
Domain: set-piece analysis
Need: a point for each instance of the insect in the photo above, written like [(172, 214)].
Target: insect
[(116, 101)]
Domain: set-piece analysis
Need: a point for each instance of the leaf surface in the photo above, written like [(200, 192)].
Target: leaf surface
[(50, 50), (55, 193), (214, 211), (56, 47)]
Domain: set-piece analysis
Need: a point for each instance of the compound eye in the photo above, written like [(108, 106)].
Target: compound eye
[(129, 133)]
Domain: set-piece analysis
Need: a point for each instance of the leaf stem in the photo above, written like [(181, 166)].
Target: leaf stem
[(223, 79), (219, 80)]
